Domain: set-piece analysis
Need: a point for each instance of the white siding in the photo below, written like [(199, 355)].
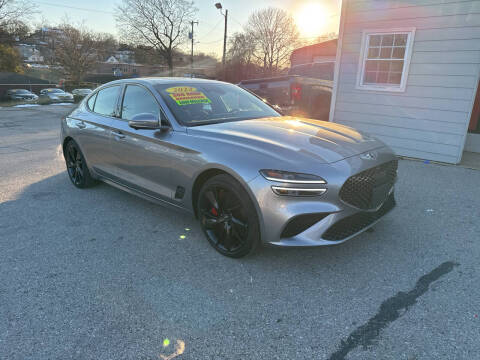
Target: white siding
[(428, 120)]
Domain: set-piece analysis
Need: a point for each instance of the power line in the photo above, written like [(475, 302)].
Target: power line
[(238, 22), (210, 42), (75, 7), (211, 30)]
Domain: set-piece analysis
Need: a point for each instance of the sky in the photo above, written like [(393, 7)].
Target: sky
[(314, 17)]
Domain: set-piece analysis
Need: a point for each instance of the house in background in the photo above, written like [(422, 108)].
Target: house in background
[(407, 72), (29, 53)]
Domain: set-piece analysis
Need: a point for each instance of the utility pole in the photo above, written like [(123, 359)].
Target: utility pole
[(225, 46), (191, 37), (220, 7)]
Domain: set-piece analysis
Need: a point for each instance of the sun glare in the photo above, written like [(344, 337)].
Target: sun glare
[(312, 19)]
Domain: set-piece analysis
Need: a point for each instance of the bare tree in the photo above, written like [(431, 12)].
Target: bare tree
[(76, 51), (242, 48), (275, 35), (15, 11), (106, 44), (241, 61), (160, 24)]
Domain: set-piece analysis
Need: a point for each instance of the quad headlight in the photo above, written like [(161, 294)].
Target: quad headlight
[(302, 184)]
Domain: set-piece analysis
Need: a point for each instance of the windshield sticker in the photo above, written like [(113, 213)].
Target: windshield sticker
[(186, 95)]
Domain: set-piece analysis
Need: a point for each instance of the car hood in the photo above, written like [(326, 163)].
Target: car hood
[(287, 136)]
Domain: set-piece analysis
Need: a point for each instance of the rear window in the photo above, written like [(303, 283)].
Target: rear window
[(106, 101), (323, 71), (203, 103), (91, 101)]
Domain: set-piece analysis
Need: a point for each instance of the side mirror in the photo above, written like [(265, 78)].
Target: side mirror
[(144, 121)]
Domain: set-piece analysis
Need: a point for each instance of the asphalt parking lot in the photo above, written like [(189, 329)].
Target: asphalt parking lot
[(102, 274)]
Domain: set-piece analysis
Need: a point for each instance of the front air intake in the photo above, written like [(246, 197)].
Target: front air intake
[(300, 223)]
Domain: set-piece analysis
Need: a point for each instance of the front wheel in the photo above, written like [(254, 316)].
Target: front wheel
[(228, 217), (76, 166)]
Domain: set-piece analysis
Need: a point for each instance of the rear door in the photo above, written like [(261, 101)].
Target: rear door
[(143, 156)]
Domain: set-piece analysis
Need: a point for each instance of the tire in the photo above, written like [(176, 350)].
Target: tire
[(77, 168), (228, 217)]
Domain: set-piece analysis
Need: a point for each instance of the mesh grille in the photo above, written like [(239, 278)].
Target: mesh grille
[(354, 223), (369, 189)]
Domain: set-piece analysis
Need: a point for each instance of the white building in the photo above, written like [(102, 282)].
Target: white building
[(408, 72)]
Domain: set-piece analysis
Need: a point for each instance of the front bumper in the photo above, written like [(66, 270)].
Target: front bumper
[(337, 221)]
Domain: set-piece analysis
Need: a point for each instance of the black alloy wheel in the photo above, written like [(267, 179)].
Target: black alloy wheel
[(228, 217), (76, 166)]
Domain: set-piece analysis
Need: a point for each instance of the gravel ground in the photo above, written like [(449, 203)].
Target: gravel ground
[(101, 274)]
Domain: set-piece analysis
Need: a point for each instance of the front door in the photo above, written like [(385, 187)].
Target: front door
[(92, 129), (143, 161)]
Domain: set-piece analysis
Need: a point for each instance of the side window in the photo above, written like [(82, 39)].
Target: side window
[(138, 100), (91, 102), (386, 56), (106, 101)]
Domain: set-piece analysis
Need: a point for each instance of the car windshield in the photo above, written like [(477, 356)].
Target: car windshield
[(54, 91), (195, 104), (20, 91)]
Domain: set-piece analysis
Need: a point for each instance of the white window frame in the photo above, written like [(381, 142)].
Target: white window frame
[(406, 60)]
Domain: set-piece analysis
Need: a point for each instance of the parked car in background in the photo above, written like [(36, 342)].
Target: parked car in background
[(55, 95), (294, 95), (21, 95), (81, 92), (249, 174), (317, 70)]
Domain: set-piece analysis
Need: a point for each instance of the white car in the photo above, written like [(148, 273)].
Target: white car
[(56, 95)]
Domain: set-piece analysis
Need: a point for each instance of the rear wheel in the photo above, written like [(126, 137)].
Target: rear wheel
[(228, 218), (77, 167)]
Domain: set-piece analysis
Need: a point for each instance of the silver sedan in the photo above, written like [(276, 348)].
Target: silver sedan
[(250, 175)]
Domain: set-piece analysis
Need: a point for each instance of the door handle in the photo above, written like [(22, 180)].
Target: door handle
[(118, 134), (81, 125)]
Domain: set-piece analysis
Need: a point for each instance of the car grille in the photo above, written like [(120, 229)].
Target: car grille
[(369, 189), (350, 225)]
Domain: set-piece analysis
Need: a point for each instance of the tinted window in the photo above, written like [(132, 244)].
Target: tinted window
[(138, 100), (203, 103), (106, 101), (91, 102), (322, 71)]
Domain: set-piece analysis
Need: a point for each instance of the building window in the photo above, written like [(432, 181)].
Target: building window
[(384, 60)]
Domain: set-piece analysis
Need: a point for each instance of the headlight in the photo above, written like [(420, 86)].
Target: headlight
[(290, 191), (291, 177), (303, 183)]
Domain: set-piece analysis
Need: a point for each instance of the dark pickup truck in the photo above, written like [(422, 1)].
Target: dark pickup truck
[(294, 94)]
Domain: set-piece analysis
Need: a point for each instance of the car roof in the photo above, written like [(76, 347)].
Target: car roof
[(166, 80)]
